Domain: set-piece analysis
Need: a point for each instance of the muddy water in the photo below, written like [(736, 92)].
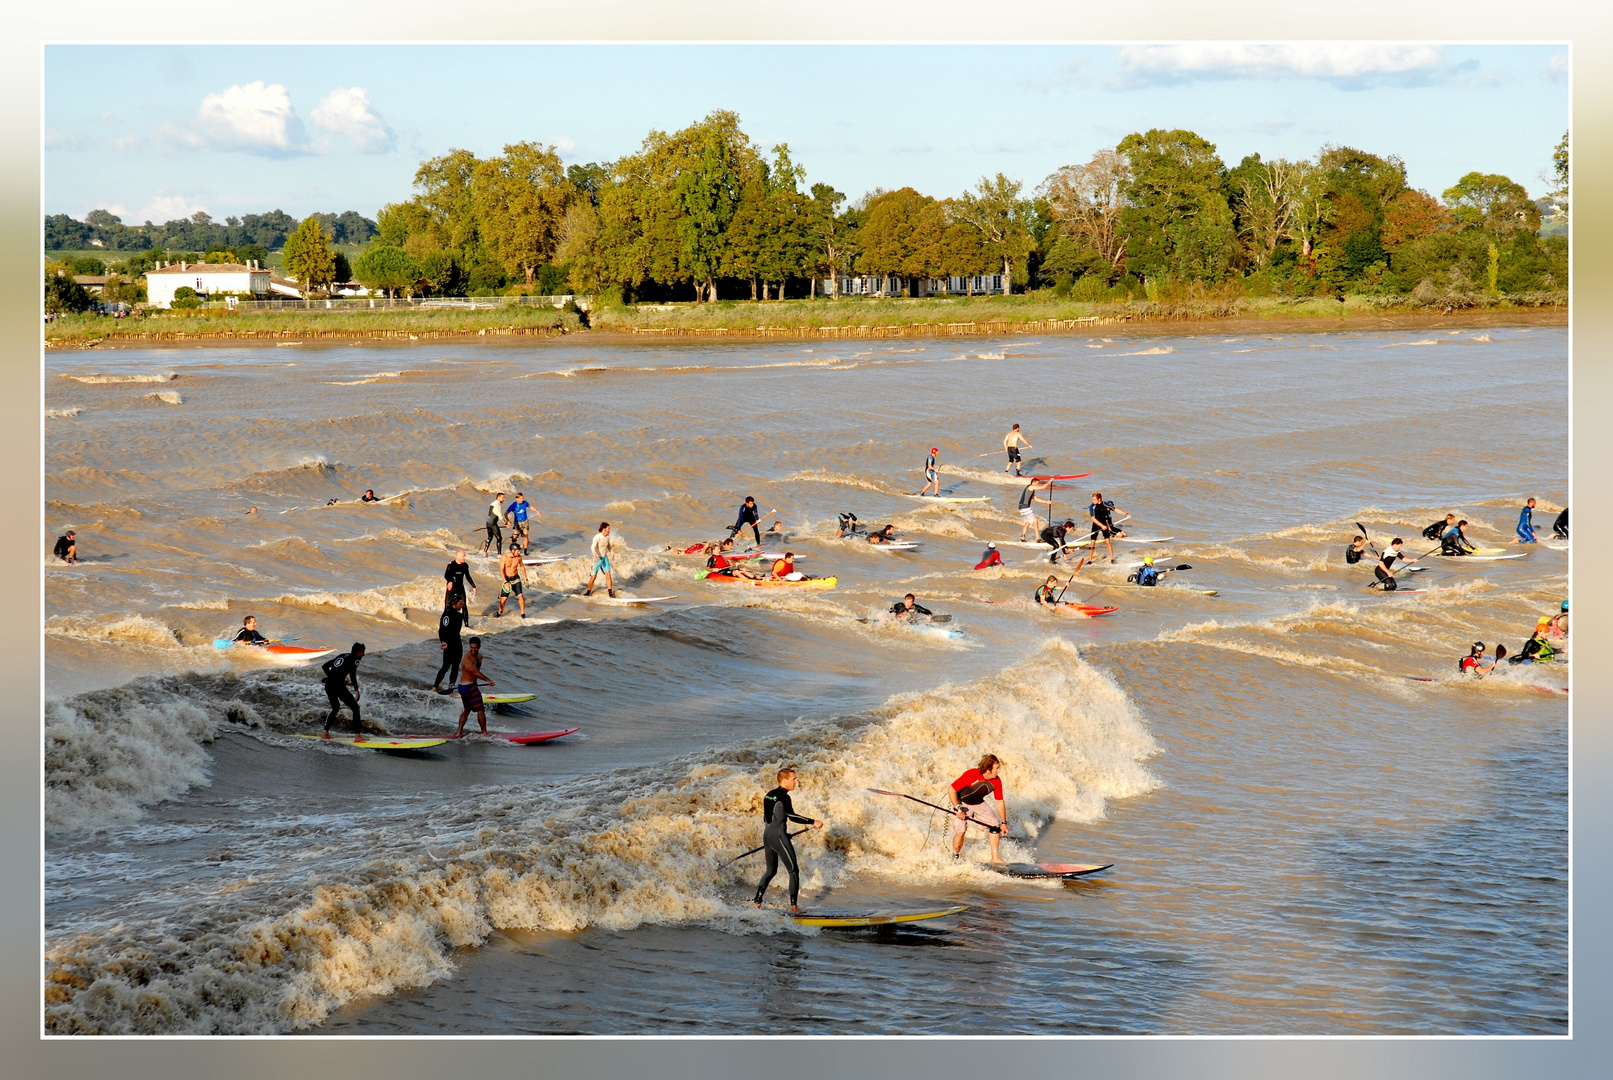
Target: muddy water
[(1305, 839)]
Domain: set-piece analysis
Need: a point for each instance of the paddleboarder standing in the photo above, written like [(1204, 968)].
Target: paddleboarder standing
[(1013, 442), (968, 797), (470, 693), (458, 576), (1027, 506), (932, 477), (340, 672), (600, 547), (777, 813)]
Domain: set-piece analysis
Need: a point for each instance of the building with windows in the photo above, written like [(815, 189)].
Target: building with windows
[(891, 285), (207, 279)]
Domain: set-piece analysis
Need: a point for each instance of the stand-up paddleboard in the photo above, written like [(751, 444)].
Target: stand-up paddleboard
[(772, 583), (523, 738), (280, 654), (1394, 592), (601, 598), (1555, 545), (895, 545), (1065, 871), (846, 920), (507, 699), (381, 742), (949, 498), (1479, 558), (1161, 588), (1070, 476)]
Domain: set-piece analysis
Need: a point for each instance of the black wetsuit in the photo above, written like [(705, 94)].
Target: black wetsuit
[(1559, 528), (900, 608), (339, 670), (748, 515), (1055, 536), (1352, 554), (251, 637), (64, 548), (1436, 529), (448, 633), (457, 574), (1381, 572), (1103, 525), (777, 813)]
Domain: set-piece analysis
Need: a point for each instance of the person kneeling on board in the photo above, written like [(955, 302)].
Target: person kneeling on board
[(968, 795), (908, 608), (1526, 523), (1559, 528), (470, 694), (990, 557), (777, 813), (1384, 572), (248, 634), (340, 671), (1147, 574), (1453, 541)]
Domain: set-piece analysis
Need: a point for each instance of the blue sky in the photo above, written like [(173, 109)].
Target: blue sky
[(161, 131)]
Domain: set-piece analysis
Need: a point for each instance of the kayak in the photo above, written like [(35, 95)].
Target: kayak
[(772, 583), (279, 654), (1085, 611), (525, 738)]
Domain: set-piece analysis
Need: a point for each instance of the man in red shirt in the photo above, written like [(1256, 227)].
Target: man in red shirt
[(968, 794)]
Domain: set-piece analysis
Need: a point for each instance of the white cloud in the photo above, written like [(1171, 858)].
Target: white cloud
[(1558, 67), (64, 140), (257, 118), (163, 208), (346, 111), (565, 144), (1352, 65), (126, 144)]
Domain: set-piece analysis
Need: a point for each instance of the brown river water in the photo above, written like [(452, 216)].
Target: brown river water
[(1305, 839)]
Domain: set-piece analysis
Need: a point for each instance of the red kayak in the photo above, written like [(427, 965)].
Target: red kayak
[(1071, 476), (1085, 611)]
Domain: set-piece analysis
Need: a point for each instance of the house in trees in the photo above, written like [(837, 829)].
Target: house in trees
[(892, 285), (207, 279)]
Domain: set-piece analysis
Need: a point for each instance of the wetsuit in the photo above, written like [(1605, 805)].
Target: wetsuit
[(1537, 650), (748, 515), (1435, 530), (64, 548), (1054, 537), (1103, 525), (339, 671), (448, 633), (457, 575), (991, 557), (1147, 575), (1526, 526), (251, 637), (900, 608), (495, 534), (777, 813), (369, 498), (1352, 554), (1452, 542), (1381, 572), (1559, 528)]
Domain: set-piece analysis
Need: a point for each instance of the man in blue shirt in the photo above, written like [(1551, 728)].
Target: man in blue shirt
[(517, 515)]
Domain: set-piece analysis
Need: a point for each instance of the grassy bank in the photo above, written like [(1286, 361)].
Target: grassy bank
[(1040, 312)]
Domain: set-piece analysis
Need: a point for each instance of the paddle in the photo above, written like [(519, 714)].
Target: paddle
[(1080, 563), (914, 619), (735, 530), (932, 806), (754, 850)]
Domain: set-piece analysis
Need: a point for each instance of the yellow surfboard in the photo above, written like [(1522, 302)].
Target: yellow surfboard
[(846, 919), (378, 742)]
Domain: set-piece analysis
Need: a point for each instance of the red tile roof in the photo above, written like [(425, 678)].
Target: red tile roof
[(207, 268)]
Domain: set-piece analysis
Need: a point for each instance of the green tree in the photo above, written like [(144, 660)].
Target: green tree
[(831, 247), (1493, 203), (1002, 218), (901, 236), (308, 257), (63, 295), (1087, 201), (520, 199), (1175, 192), (389, 268), (1559, 170), (446, 190)]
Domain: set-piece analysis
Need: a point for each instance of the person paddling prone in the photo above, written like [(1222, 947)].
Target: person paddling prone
[(910, 609), (777, 813), (968, 798)]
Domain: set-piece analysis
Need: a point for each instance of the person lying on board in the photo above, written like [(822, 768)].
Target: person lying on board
[(886, 535), (369, 496), (990, 557), (248, 634), (910, 609), (849, 526)]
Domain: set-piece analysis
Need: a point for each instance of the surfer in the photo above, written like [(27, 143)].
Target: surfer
[(520, 532), (849, 525), (1559, 528), (1148, 575), (1013, 442), (748, 515), (931, 476), (1435, 530), (458, 575), (448, 627), (968, 796), (470, 694), (340, 672), (1453, 541), (248, 634), (1526, 523), (1384, 573), (66, 548), (910, 609), (990, 557), (886, 535), (495, 516), (777, 813), (1103, 523), (600, 547), (512, 572), (1056, 536), (369, 496), (1027, 506), (1357, 548)]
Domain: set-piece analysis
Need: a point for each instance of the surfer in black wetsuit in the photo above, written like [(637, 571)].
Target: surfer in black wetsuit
[(1453, 541), (777, 813), (1056, 537), (457, 575), (910, 609), (448, 627), (339, 672), (249, 632), (1559, 528), (1103, 524), (748, 515), (67, 547), (1357, 548)]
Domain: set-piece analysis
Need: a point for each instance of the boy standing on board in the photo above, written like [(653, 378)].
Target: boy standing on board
[(1012, 442), (600, 546), (931, 478), (470, 694)]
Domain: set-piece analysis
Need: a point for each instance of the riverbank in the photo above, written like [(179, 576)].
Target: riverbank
[(855, 318)]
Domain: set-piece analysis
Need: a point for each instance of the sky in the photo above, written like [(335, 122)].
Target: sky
[(159, 132)]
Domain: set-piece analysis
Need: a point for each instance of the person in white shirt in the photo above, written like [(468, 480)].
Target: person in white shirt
[(600, 546)]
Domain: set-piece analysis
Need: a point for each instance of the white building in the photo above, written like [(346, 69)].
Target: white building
[(881, 285), (206, 279)]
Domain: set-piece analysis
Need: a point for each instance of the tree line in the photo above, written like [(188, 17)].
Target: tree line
[(197, 233)]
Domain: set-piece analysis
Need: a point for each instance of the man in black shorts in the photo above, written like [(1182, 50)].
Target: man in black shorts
[(1103, 524)]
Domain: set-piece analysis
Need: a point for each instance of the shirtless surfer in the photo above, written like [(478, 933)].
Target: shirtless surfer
[(470, 693), (512, 573), (1013, 442)]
